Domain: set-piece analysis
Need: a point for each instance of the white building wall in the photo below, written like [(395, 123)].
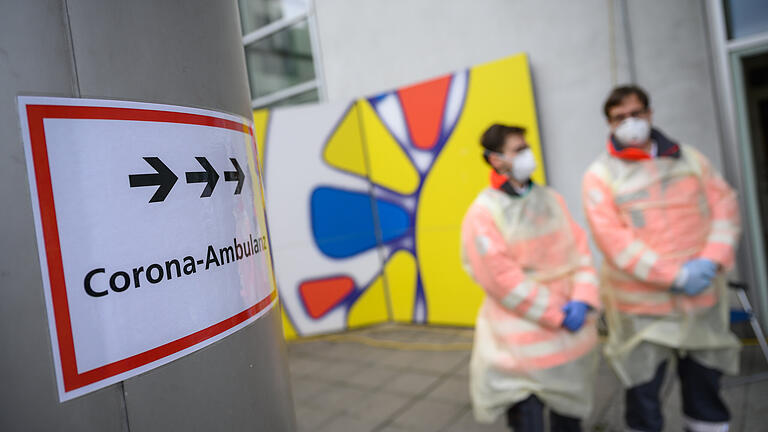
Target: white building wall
[(576, 50)]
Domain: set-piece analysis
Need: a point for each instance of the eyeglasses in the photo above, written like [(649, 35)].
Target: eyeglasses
[(621, 117)]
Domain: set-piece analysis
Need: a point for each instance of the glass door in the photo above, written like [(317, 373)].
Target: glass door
[(750, 77)]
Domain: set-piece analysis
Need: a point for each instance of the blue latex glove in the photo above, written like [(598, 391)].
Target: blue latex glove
[(575, 314), (695, 276)]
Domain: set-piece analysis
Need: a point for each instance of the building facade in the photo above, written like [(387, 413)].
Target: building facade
[(703, 63)]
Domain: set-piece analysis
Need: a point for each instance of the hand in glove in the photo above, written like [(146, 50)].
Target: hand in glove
[(575, 313), (695, 276)]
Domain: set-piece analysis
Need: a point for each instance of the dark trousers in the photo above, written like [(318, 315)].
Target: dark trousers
[(528, 416), (700, 388)]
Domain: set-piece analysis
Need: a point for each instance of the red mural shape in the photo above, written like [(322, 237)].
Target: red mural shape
[(423, 105), (322, 295)]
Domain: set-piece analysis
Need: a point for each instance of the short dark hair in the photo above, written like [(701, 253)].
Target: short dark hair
[(619, 93), (494, 137)]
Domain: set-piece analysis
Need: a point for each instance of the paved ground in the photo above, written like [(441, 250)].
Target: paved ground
[(396, 378)]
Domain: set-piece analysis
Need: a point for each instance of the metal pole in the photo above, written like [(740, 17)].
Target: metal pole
[(177, 52)]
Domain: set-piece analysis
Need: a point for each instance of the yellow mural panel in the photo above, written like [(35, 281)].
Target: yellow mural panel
[(449, 177), (498, 92), (288, 331), (401, 284), (370, 307), (344, 149), (390, 166), (260, 127)]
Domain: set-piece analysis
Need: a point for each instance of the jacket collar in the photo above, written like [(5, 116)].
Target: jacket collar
[(665, 148), (501, 182)]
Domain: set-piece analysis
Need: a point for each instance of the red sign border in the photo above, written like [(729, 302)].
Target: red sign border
[(72, 379)]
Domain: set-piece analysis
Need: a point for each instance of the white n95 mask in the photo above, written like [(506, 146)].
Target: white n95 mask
[(633, 132), (523, 165)]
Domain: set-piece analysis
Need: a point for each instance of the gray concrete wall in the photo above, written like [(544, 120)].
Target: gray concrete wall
[(673, 61), (369, 46), (175, 52)]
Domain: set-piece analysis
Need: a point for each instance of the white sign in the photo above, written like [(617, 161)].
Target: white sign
[(151, 233)]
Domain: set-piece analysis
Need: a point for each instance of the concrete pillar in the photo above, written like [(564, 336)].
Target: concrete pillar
[(184, 52)]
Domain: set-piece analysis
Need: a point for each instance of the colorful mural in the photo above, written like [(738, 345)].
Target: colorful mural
[(365, 199)]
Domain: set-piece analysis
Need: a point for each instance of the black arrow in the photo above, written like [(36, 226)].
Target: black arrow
[(237, 176), (165, 179), (208, 176)]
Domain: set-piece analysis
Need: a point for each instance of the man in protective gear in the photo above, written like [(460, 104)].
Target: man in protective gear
[(535, 336), (667, 224)]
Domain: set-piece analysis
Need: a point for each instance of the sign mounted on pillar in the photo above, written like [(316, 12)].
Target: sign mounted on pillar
[(151, 233)]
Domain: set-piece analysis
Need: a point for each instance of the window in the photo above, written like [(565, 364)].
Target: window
[(746, 17), (279, 54)]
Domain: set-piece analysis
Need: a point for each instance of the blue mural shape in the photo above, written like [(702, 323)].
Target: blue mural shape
[(343, 222)]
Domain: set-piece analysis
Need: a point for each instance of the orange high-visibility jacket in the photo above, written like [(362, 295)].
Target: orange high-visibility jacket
[(530, 258), (651, 215)]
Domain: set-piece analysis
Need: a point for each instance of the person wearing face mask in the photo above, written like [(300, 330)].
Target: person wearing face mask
[(535, 335), (667, 224)]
